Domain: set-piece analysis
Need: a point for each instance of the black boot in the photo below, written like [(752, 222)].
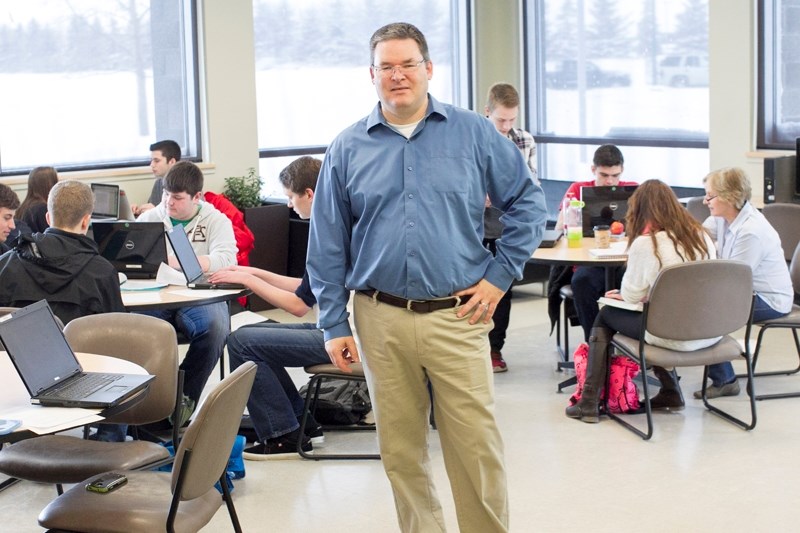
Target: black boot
[(588, 407), (670, 396)]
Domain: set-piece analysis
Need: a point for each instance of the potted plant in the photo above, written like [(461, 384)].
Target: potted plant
[(244, 191)]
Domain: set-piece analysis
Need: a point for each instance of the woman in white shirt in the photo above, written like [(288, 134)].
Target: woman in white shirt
[(742, 233), (661, 233)]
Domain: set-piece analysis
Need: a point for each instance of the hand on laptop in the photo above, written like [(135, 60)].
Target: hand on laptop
[(230, 275)]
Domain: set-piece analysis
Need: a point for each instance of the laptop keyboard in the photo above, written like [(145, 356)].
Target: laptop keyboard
[(82, 386)]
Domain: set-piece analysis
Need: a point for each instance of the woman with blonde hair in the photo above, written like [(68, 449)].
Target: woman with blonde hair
[(661, 233), (33, 208), (742, 233)]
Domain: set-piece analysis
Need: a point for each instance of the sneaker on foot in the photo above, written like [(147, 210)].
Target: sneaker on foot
[(283, 447), (728, 389), (498, 364), (313, 430)]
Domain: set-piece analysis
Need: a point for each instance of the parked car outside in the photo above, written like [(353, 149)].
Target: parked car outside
[(683, 70), (564, 75)]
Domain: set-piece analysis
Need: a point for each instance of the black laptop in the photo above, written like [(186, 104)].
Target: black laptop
[(195, 278), (604, 205), (51, 372), (550, 238), (136, 249)]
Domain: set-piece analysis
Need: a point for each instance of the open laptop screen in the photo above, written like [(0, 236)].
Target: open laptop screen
[(604, 205), (136, 249), (106, 201)]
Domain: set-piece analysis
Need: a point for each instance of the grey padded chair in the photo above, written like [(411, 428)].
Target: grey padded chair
[(690, 301), (790, 321), (697, 208), (319, 374), (785, 218), (184, 500), (147, 341)]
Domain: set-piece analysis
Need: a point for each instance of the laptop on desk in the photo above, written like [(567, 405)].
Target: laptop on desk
[(106, 201), (604, 205), (195, 278), (136, 249), (550, 238), (49, 369)]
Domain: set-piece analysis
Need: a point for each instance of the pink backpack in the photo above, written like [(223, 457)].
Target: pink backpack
[(624, 396)]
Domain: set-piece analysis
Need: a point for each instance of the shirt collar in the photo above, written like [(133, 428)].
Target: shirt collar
[(743, 215), (376, 116)]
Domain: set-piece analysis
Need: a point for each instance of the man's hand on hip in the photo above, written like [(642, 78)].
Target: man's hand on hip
[(482, 303), (343, 352)]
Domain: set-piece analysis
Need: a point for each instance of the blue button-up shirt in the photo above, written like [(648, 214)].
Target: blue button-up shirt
[(405, 216)]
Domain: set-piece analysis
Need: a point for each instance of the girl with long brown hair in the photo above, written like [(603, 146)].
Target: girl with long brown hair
[(34, 206), (661, 233)]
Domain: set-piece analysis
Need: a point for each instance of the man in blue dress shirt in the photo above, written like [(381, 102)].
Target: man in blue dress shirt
[(398, 218)]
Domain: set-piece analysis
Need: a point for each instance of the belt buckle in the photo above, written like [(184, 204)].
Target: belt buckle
[(410, 302)]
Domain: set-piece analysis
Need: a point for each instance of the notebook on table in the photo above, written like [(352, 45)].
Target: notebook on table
[(604, 205), (106, 201), (136, 249), (195, 278), (49, 369)]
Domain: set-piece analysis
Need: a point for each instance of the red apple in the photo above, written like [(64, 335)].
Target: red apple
[(617, 228)]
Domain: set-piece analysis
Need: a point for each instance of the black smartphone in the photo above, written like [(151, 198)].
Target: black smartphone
[(107, 483)]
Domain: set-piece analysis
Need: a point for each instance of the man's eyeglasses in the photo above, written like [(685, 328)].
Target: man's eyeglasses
[(709, 198), (405, 69)]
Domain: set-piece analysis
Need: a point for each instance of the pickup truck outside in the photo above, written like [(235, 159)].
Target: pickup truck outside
[(683, 71)]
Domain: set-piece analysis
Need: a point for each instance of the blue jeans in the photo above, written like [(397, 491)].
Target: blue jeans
[(722, 373), (274, 403), (206, 327)]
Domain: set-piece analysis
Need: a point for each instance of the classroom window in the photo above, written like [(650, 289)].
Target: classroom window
[(779, 74), (312, 68), (93, 83), (628, 72)]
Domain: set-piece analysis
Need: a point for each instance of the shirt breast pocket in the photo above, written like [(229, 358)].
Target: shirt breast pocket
[(449, 174)]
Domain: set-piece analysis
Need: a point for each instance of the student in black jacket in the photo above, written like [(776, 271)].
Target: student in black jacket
[(61, 264)]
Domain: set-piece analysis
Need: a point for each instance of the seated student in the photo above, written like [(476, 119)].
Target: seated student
[(33, 209), (275, 406), (9, 202), (742, 233), (588, 283), (211, 235), (163, 155), (61, 265), (661, 233)]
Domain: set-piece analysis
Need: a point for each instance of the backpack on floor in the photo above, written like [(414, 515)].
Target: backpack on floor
[(341, 402), (624, 395)]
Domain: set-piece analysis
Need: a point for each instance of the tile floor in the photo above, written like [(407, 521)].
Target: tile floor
[(698, 473)]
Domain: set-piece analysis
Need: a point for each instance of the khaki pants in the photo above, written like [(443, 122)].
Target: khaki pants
[(403, 350)]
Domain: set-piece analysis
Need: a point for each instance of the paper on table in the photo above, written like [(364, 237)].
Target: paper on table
[(616, 249), (167, 274), (142, 297), (142, 285), (43, 420)]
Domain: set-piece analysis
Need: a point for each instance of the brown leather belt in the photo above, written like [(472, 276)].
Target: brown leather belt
[(418, 306)]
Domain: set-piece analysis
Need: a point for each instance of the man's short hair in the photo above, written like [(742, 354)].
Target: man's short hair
[(68, 202), (502, 94), (398, 31), (608, 155), (8, 198), (301, 174), (184, 176), (169, 149)]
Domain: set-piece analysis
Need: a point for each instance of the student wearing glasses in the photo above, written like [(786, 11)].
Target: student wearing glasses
[(398, 218), (742, 233)]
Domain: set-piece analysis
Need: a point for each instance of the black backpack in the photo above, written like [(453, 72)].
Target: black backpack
[(341, 402)]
